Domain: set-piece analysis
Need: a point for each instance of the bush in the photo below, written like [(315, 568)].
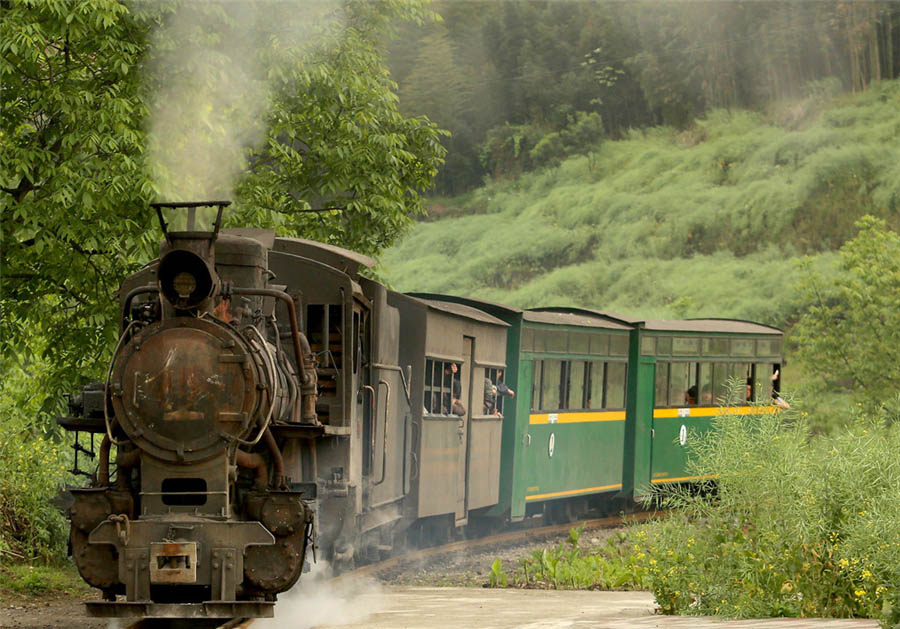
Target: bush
[(850, 332), (791, 526), (33, 464)]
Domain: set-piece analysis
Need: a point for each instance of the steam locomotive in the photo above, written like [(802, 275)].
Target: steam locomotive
[(266, 400)]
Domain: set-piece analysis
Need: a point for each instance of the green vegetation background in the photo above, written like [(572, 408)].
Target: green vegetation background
[(711, 221), (628, 168)]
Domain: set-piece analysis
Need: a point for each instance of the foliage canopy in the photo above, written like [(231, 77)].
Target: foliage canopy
[(76, 173)]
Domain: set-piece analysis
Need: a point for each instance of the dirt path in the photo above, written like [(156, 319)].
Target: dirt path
[(56, 610)]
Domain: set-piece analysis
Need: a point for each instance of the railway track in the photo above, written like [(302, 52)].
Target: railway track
[(418, 555)]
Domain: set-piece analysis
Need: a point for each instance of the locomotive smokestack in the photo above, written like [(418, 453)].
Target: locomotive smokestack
[(187, 277)]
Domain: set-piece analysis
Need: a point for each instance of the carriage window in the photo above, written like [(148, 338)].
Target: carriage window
[(438, 387), (551, 384), (539, 340), (762, 380), (618, 345), (527, 340), (664, 345), (576, 384), (493, 400), (648, 346), (536, 377), (661, 387), (768, 347), (680, 391), (704, 384), (715, 346), (557, 342), (685, 346), (594, 384), (739, 373), (742, 347), (711, 396), (579, 343), (615, 385), (600, 344)]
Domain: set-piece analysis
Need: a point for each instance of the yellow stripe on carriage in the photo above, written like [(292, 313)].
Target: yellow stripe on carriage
[(573, 492), (710, 411), (681, 479), (576, 418)]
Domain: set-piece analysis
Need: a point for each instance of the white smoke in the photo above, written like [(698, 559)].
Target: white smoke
[(317, 599), (210, 80)]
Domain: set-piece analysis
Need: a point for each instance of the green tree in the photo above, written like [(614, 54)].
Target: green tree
[(851, 331), (336, 140), (74, 183), (72, 187)]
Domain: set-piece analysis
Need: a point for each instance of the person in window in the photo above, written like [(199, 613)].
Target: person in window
[(451, 380), (777, 400), (490, 397), (502, 390), (690, 396), (706, 396)]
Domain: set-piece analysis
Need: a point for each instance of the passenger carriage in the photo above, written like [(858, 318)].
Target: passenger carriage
[(606, 404)]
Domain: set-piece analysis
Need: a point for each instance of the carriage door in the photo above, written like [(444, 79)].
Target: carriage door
[(465, 379)]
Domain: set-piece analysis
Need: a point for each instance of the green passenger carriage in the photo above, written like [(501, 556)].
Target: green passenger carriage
[(685, 373), (606, 404)]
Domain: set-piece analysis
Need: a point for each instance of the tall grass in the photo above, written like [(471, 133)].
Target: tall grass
[(705, 222), (796, 526)]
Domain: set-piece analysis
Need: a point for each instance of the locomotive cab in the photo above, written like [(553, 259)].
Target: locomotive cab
[(200, 519)]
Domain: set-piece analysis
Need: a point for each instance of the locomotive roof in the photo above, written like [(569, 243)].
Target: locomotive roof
[(579, 318), (331, 255), (461, 310), (481, 304), (737, 326)]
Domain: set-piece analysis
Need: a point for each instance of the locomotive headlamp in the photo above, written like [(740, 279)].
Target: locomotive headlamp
[(186, 279)]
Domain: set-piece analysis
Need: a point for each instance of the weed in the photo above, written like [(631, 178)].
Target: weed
[(35, 580), (568, 566), (796, 526)]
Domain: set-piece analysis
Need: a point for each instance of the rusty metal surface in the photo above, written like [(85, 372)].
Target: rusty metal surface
[(173, 562), (181, 383), (219, 546)]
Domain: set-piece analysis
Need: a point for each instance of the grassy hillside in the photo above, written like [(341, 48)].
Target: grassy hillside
[(707, 222)]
